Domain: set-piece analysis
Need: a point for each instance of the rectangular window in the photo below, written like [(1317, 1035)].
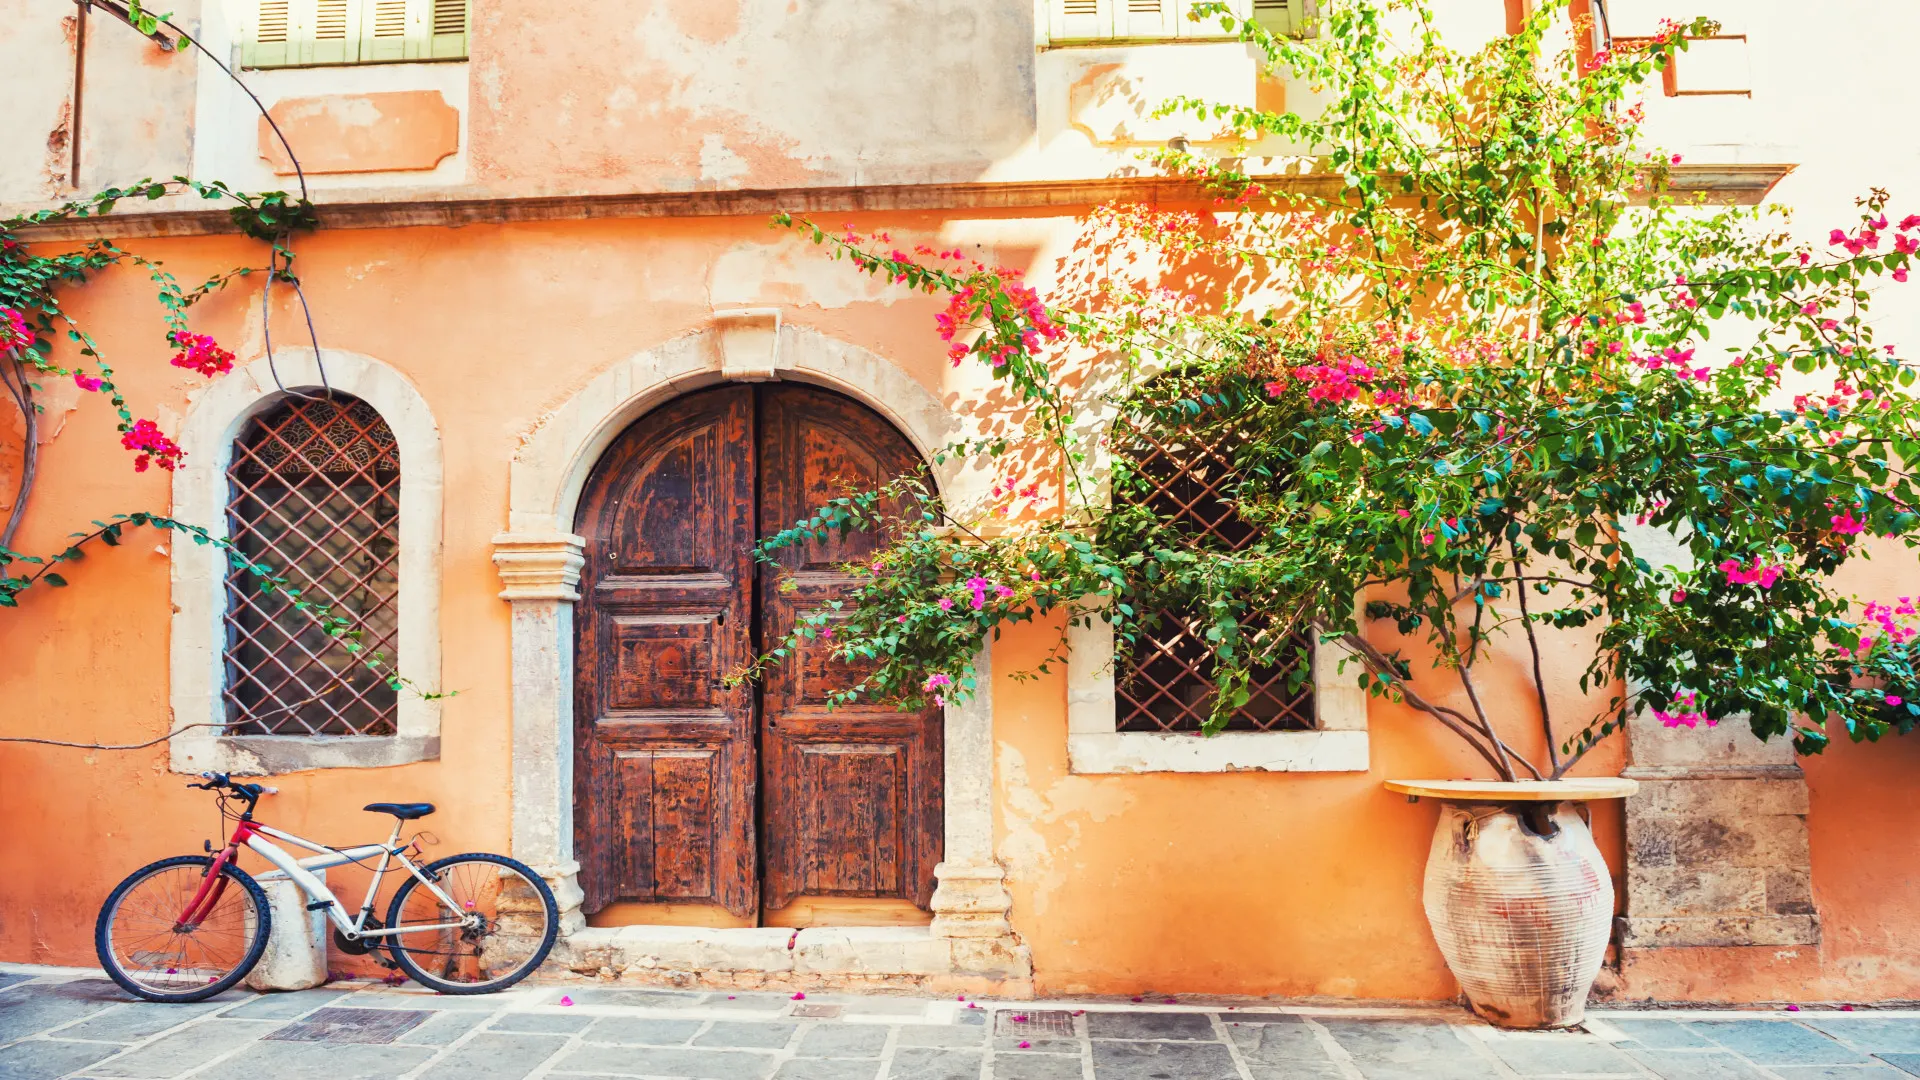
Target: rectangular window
[(309, 33), (1166, 20)]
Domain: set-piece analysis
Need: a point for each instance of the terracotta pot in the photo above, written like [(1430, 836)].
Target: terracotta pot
[(1521, 904)]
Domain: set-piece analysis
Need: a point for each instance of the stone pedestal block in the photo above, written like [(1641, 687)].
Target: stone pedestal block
[(296, 956)]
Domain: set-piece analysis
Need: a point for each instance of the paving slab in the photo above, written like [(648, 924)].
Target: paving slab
[(1661, 1034), (642, 1031), (1276, 1043), (843, 1041), (1551, 1053), (495, 1057), (1297, 1070), (287, 1006), (188, 1048), (13, 978), (35, 1007), (324, 1061), (828, 1069), (1778, 1042), (1160, 1060), (44, 1059), (1836, 1073), (958, 1035), (1873, 1034), (927, 1063), (1408, 1049), (746, 1035), (442, 1028), (132, 1022), (1696, 1065), (1151, 1025), (543, 1023), (399, 999), (1035, 1045), (1035, 1067), (648, 1061), (748, 1002)]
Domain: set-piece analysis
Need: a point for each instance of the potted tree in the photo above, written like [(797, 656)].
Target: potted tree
[(1448, 374)]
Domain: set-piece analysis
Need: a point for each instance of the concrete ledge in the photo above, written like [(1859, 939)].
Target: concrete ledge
[(900, 957), (1233, 751)]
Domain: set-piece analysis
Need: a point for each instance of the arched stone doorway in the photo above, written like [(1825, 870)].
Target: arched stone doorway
[(694, 793)]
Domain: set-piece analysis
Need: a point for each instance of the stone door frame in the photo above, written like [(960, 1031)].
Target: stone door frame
[(539, 559)]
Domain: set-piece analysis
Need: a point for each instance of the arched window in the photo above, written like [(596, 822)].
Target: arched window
[(1186, 473), (314, 493)]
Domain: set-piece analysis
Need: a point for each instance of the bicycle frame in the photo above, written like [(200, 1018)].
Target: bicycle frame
[(300, 871)]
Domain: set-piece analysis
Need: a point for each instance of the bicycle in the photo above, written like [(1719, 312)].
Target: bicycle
[(187, 928)]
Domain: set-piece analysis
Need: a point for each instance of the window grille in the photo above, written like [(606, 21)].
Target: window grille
[(314, 493), (1155, 20), (1187, 474)]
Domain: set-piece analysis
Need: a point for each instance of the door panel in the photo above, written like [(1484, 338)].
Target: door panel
[(851, 797), (663, 752)]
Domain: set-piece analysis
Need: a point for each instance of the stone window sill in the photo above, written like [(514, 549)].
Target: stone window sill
[(266, 755), (1096, 753)]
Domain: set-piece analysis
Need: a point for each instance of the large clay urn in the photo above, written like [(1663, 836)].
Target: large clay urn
[(1520, 901)]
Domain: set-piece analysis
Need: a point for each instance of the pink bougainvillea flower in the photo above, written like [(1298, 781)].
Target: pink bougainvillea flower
[(1002, 591), (1837, 236), (1895, 699), (1679, 596), (200, 353), (1810, 308), (152, 446), (565, 999), (978, 585), (1900, 274), (1686, 712), (799, 995), (946, 603), (1793, 1008), (14, 332), (1024, 1044), (1846, 524), (1759, 574), (1404, 512), (1426, 538), (86, 382), (935, 682)]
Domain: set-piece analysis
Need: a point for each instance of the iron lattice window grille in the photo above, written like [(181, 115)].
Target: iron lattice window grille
[(1186, 473), (314, 493)]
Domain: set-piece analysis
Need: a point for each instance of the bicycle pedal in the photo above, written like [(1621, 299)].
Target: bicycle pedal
[(318, 905)]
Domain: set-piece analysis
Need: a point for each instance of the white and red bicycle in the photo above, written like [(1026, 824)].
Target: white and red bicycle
[(190, 927)]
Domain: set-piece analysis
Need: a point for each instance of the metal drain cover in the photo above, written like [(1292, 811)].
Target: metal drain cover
[(1035, 1024), (351, 1026)]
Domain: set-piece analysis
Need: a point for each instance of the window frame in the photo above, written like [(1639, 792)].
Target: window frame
[(1338, 742), (197, 640)]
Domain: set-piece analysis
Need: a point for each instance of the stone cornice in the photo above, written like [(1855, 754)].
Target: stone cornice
[(1745, 184)]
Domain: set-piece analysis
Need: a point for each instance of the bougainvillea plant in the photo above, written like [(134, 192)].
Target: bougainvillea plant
[(40, 341), (1488, 386)]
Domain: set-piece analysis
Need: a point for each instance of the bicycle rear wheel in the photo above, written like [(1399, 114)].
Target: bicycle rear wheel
[(501, 924), (144, 946)]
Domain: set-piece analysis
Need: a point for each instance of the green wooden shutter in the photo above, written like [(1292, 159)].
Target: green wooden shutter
[(1283, 16), (267, 39), (1145, 19), (392, 30), (332, 33), (1081, 20), (290, 33), (448, 30)]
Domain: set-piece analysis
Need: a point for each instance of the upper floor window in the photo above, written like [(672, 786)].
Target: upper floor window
[(1188, 474), (1160, 20), (301, 33), (314, 493)]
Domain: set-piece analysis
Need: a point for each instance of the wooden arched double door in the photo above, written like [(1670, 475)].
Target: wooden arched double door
[(688, 791)]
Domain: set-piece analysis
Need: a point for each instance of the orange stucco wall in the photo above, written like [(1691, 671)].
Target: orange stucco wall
[(1291, 884)]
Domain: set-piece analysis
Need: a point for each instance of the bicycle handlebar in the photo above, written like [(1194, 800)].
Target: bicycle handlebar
[(251, 792)]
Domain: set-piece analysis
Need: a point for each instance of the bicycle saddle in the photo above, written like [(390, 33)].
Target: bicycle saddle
[(405, 811)]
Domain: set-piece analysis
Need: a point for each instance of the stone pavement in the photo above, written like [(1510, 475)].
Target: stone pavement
[(68, 1023)]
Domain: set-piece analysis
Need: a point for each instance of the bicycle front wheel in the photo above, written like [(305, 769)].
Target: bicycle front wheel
[(168, 934), (486, 923)]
